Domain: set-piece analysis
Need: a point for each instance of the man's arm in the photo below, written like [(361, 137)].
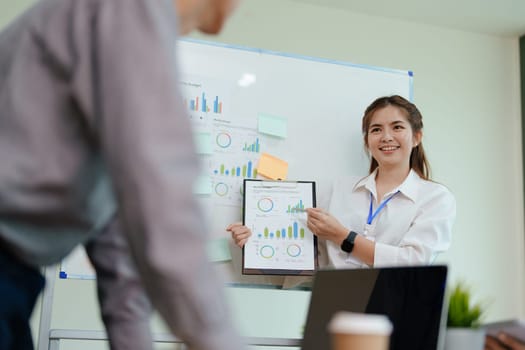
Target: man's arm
[(124, 306), (146, 141)]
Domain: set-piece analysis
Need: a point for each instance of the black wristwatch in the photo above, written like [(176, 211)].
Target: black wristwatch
[(348, 243)]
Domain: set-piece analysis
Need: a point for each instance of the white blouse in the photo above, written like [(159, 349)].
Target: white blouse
[(412, 228)]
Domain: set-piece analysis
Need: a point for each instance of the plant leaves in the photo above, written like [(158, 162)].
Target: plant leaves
[(460, 311)]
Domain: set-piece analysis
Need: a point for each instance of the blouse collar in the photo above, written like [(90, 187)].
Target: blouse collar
[(408, 187)]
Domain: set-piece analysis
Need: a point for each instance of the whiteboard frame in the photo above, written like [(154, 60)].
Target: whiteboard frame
[(232, 267), (308, 58)]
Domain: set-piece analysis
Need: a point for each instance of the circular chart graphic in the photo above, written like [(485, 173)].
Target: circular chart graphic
[(223, 140), (293, 250), (265, 205), (221, 189), (267, 251)]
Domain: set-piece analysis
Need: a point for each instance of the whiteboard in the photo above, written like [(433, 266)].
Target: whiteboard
[(229, 91)]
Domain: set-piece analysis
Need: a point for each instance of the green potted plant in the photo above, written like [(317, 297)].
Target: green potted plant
[(463, 321)]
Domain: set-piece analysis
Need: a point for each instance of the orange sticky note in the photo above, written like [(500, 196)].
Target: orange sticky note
[(272, 167)]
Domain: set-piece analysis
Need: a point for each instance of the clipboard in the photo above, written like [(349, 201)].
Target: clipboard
[(281, 243)]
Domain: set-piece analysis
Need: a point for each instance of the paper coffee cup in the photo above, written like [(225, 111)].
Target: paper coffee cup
[(354, 331)]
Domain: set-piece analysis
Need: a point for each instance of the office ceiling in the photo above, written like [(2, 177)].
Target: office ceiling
[(496, 17)]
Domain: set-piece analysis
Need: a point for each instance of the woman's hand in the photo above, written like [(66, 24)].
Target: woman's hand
[(503, 342), (239, 232), (325, 226)]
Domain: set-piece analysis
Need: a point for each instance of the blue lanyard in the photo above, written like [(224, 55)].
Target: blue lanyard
[(381, 206)]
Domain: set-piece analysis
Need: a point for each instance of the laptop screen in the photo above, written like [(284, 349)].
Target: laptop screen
[(411, 297)]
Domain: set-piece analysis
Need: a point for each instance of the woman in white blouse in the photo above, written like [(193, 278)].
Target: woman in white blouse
[(394, 216)]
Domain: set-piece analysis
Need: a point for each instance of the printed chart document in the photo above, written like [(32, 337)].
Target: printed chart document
[(281, 243)]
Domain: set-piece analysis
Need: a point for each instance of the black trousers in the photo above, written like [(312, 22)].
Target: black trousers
[(19, 288)]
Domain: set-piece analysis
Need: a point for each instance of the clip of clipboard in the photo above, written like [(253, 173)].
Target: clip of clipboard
[(281, 243)]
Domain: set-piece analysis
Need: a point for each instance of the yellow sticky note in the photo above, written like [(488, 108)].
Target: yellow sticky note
[(272, 167), (218, 250), (272, 125)]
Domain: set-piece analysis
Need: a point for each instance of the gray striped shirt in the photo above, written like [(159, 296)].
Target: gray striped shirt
[(88, 97)]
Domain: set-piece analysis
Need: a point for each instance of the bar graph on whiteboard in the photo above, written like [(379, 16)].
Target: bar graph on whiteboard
[(205, 100)]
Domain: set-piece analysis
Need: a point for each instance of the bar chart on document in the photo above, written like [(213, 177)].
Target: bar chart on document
[(275, 212)]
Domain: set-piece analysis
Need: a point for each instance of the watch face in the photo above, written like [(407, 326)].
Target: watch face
[(348, 243), (347, 246)]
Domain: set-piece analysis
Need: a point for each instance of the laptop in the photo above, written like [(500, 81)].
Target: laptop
[(411, 297)]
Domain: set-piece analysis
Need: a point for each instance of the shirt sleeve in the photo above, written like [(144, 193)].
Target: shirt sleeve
[(146, 142), (429, 234)]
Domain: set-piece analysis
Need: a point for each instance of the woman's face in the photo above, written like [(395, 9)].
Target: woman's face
[(390, 138)]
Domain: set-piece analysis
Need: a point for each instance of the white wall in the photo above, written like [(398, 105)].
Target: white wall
[(10, 9), (466, 85)]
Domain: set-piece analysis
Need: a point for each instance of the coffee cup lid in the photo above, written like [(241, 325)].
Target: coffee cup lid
[(356, 323)]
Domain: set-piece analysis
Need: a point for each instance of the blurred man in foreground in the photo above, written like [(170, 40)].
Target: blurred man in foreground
[(92, 134)]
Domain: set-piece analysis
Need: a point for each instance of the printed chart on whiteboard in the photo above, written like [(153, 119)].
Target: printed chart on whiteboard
[(281, 242), (229, 144)]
